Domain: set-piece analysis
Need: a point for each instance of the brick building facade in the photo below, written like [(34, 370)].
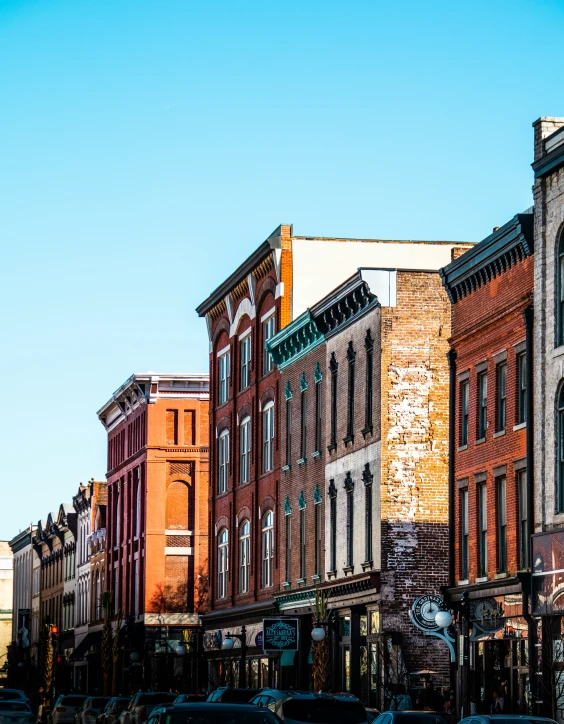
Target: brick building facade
[(491, 289), (374, 353), (156, 516), (548, 539), (282, 278)]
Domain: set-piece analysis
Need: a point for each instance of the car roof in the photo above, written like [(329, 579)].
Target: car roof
[(206, 705), (298, 694), (519, 717)]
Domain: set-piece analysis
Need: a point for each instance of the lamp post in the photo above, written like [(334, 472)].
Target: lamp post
[(228, 644), (444, 619)]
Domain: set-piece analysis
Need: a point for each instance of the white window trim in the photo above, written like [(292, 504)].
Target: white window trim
[(245, 334), (267, 315), (223, 351)]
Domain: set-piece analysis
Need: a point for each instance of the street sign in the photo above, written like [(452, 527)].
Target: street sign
[(280, 634)]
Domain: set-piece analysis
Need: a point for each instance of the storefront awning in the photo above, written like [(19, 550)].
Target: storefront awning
[(287, 658)]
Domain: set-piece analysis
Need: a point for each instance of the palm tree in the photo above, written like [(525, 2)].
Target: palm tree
[(106, 654)]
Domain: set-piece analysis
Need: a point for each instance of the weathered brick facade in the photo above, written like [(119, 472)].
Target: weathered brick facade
[(491, 289)]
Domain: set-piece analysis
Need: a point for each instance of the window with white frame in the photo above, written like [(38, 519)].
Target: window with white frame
[(222, 562), (223, 458), (245, 353), (268, 331), (224, 369), (244, 556), (268, 437), (245, 450), (267, 549)]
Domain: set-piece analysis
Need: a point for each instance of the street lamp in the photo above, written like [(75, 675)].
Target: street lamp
[(318, 632), (228, 644), (134, 657), (443, 619), (180, 650)]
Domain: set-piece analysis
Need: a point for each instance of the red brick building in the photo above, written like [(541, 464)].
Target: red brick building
[(491, 288), (278, 282), (156, 513)]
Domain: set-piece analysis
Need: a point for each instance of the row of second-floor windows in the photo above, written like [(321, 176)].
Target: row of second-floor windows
[(500, 395), (476, 510), (307, 414), (245, 361), (127, 441), (244, 556), (336, 385), (268, 424), (299, 536)]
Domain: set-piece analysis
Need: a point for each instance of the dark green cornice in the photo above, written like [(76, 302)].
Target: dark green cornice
[(295, 340)]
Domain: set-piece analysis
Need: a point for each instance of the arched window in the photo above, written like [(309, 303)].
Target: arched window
[(244, 556), (560, 486), (267, 549), (223, 458), (222, 562), (245, 454), (560, 293), (177, 506), (268, 437)]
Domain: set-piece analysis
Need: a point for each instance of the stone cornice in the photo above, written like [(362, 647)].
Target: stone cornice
[(491, 257), (343, 306)]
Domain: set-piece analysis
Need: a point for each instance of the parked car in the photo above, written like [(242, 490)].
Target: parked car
[(13, 695), (410, 717), (111, 712), (88, 712), (15, 712), (315, 708), (65, 708), (142, 704), (190, 699), (226, 695), (211, 712), (371, 714), (506, 719)]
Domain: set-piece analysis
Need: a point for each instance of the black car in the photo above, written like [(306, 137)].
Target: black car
[(111, 712), (190, 699), (226, 695), (410, 717), (216, 713)]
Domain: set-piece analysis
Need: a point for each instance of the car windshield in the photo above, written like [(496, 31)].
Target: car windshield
[(324, 711), (72, 700), (237, 696), (13, 706), (96, 703), (10, 694), (204, 716)]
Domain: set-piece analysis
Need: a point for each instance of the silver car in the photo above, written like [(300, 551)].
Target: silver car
[(89, 711), (142, 705), (65, 708), (15, 712)]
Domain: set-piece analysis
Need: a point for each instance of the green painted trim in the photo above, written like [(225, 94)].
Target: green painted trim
[(295, 340), (301, 501), (316, 495), (317, 374), (303, 382), (287, 506), (288, 391)]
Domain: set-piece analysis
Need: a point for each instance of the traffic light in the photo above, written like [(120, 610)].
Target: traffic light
[(54, 634)]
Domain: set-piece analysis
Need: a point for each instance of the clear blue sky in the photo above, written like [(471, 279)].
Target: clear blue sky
[(148, 146)]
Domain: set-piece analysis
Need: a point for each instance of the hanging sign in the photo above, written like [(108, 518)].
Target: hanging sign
[(424, 610), (280, 634)]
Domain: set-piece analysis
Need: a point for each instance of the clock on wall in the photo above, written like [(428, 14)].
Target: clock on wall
[(424, 610)]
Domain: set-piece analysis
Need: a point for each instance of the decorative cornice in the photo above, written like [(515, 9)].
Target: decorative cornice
[(550, 162), (288, 391), (301, 500), (349, 483), (295, 340), (287, 506), (316, 495), (332, 490), (303, 383), (489, 258), (317, 374), (344, 305)]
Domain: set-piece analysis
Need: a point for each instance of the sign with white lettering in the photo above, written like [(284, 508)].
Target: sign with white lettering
[(280, 634)]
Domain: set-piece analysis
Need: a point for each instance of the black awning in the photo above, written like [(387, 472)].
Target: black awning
[(91, 638)]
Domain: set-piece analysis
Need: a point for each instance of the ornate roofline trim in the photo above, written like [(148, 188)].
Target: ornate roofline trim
[(295, 340), (491, 257), (344, 305)]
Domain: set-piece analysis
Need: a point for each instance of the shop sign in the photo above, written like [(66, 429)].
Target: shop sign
[(259, 640), (548, 573), (280, 634), (424, 610), (24, 618)]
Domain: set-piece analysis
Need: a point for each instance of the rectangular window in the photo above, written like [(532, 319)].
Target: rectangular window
[(288, 432), (318, 416), (501, 379), (521, 388), (303, 539), (351, 356), (318, 524), (369, 346), (482, 404), (245, 457), (172, 427), (334, 367), (464, 534), (245, 351), (350, 529), (268, 330), (464, 404), (501, 525), (189, 427), (268, 438), (368, 522), (303, 428), (523, 520), (223, 455), (333, 524), (224, 365), (288, 548), (482, 531)]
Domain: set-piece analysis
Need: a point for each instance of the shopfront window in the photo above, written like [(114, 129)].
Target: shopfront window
[(346, 668)]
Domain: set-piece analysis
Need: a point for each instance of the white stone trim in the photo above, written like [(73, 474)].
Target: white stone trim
[(223, 351), (178, 532), (185, 551), (268, 314)]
